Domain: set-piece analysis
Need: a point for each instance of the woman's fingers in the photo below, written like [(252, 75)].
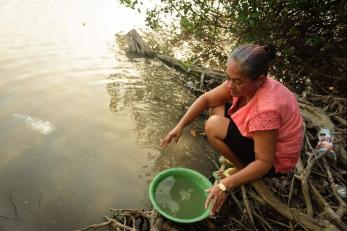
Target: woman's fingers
[(167, 140), (218, 202), (211, 195), (164, 142), (216, 199), (208, 200), (173, 135)]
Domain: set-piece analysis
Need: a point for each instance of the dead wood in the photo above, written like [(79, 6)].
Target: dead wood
[(156, 221), (136, 45)]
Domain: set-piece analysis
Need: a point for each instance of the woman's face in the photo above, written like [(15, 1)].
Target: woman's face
[(239, 84)]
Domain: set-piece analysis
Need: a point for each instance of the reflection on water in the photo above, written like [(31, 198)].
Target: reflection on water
[(80, 123), (45, 127), (147, 91), (150, 93)]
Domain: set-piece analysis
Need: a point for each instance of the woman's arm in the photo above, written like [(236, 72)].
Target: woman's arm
[(215, 97), (264, 148)]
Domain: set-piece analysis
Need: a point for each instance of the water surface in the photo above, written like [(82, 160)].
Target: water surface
[(80, 122)]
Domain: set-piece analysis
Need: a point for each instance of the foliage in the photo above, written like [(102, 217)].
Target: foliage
[(310, 35)]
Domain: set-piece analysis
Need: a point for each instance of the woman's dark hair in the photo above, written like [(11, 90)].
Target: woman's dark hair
[(253, 59)]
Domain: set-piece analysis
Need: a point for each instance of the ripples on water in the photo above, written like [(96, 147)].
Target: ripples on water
[(80, 122)]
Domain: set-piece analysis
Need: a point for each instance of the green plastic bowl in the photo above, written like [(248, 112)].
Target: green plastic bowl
[(186, 173)]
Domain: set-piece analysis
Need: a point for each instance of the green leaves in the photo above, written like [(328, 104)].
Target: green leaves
[(186, 25), (127, 3), (307, 33), (131, 4)]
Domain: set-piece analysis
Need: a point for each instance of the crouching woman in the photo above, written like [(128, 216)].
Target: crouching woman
[(260, 133)]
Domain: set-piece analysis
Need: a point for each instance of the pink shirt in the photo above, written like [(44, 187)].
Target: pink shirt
[(273, 107)]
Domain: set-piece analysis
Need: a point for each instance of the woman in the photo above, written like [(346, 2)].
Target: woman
[(261, 133)]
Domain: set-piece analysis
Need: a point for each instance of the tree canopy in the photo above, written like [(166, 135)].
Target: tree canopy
[(310, 35)]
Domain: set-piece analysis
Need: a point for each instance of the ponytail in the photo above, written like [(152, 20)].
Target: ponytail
[(270, 49)]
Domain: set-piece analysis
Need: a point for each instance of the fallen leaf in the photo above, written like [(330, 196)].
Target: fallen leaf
[(193, 132)]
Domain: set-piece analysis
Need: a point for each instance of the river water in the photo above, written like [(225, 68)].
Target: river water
[(80, 122)]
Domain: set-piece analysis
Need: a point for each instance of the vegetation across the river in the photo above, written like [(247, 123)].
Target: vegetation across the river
[(310, 35)]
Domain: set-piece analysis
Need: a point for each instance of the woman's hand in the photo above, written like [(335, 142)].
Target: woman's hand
[(216, 198), (174, 134)]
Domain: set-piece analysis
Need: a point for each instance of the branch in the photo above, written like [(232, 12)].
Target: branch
[(245, 200), (307, 222), (115, 224), (95, 226), (327, 210)]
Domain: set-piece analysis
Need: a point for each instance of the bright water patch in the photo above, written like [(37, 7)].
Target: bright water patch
[(180, 197), (44, 127)]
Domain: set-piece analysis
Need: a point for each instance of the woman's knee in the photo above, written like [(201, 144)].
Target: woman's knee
[(216, 126)]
